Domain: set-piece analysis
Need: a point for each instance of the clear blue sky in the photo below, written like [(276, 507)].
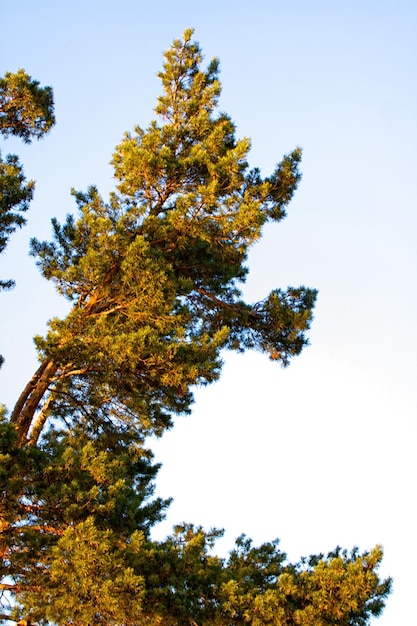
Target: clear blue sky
[(322, 453)]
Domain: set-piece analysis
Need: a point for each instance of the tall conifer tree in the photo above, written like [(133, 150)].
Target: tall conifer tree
[(154, 273)]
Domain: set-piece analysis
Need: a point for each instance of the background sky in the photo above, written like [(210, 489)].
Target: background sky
[(323, 452)]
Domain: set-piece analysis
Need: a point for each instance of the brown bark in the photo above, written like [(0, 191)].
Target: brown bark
[(40, 421), (30, 398), (22, 622)]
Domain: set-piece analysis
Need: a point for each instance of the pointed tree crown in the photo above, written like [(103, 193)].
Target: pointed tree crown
[(154, 273)]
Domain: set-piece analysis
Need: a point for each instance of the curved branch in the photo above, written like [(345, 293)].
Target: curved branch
[(27, 391), (29, 400)]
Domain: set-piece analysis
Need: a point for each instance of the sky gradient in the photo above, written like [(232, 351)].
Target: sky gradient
[(323, 452)]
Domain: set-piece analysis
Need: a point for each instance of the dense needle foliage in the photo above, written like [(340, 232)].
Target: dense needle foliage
[(27, 112), (154, 277)]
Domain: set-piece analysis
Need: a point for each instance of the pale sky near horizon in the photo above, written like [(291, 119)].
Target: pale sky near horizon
[(323, 452)]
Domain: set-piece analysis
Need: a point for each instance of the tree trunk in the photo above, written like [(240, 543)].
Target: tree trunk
[(29, 400)]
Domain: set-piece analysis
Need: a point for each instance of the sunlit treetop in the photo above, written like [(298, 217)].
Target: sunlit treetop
[(26, 109), (154, 273)]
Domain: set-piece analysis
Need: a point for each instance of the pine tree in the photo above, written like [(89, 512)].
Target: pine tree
[(154, 273), (154, 276)]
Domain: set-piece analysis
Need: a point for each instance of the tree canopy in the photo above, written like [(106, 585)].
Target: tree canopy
[(26, 109), (154, 276), (27, 112)]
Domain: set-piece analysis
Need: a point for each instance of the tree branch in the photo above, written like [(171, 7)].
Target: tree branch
[(29, 400), (27, 391)]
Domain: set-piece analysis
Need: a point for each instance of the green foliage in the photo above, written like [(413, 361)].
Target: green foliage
[(340, 588), (26, 111), (86, 580), (257, 586), (154, 277), (15, 196), (72, 510)]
